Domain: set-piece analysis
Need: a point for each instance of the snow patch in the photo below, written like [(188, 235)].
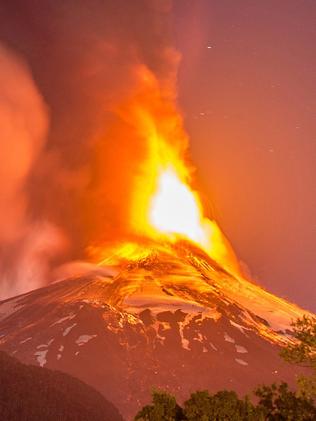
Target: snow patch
[(241, 349), (41, 346), (156, 326), (63, 319), (41, 357), (60, 350), (241, 362), (68, 329), (228, 338), (26, 340), (158, 302), (182, 325), (83, 339), (45, 345), (213, 346), (185, 343), (239, 327), (200, 337)]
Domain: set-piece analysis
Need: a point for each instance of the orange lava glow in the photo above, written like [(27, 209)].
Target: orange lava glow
[(164, 206)]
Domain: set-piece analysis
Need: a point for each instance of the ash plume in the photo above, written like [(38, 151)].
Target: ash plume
[(76, 172), (23, 131)]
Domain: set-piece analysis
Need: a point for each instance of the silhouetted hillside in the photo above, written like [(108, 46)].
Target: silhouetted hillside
[(32, 393)]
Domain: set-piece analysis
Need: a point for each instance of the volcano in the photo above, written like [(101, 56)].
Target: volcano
[(170, 317)]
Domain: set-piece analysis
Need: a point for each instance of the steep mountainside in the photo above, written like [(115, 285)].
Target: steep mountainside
[(31, 393), (172, 318)]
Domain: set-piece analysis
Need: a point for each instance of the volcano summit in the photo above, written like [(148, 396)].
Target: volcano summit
[(160, 315), (166, 304)]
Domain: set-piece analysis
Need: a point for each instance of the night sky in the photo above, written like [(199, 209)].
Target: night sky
[(247, 87)]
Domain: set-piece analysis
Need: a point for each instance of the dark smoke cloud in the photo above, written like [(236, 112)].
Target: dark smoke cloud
[(82, 55)]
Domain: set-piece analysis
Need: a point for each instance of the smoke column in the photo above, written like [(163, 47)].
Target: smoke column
[(25, 245), (65, 187)]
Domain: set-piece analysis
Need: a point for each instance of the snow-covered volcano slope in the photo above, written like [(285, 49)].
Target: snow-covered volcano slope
[(173, 319)]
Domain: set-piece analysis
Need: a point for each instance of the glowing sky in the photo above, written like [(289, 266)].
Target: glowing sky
[(250, 103), (247, 90)]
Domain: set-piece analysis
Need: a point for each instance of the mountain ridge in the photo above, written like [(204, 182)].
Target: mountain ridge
[(166, 316)]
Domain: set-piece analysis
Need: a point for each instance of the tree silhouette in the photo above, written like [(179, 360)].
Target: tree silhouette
[(163, 408), (278, 403), (303, 353)]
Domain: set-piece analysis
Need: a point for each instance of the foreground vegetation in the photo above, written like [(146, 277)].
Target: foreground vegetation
[(274, 403), (303, 353)]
